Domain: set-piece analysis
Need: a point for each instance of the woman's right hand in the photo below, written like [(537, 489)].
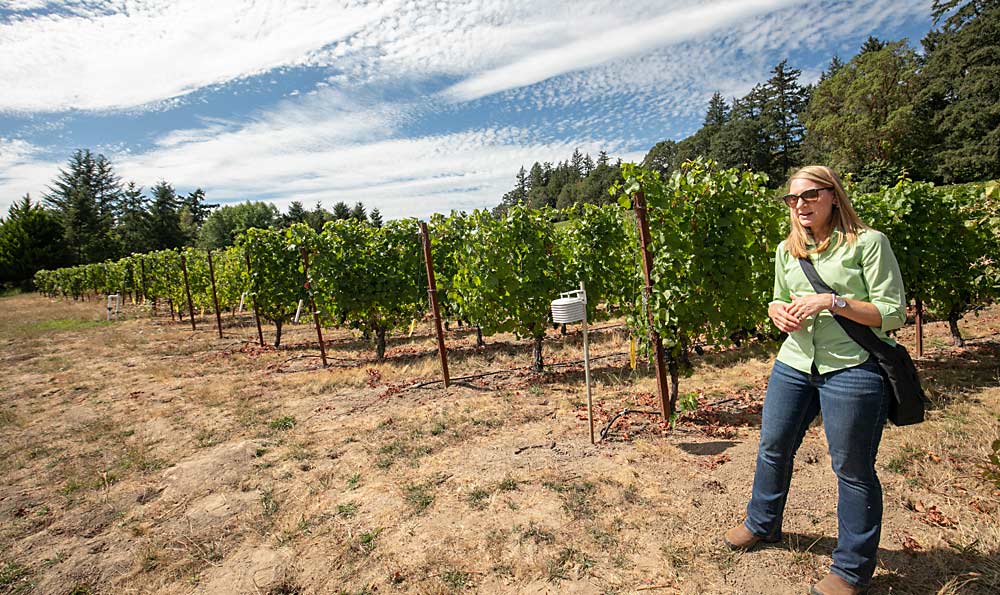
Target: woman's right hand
[(778, 311)]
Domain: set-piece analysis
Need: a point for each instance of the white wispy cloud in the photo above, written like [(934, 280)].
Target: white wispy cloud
[(330, 149), (22, 171), (144, 51), (639, 37)]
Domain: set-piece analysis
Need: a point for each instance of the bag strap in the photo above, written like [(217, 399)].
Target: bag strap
[(861, 334)]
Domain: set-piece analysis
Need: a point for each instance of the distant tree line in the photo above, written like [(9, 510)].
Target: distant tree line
[(888, 112)]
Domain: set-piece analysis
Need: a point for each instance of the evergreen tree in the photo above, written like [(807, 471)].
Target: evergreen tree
[(318, 216), (588, 164), (165, 219), (960, 93), (31, 239), (872, 44), (577, 163), (133, 220), (518, 195), (538, 178), (341, 211), (375, 217), (83, 197), (786, 99), (744, 142), (358, 213), (835, 65), (718, 112), (296, 214)]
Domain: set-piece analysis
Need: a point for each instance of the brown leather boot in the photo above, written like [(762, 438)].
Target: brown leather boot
[(740, 538), (834, 585)]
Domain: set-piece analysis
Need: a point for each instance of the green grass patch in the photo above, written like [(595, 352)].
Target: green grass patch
[(418, 496), (354, 481), (568, 558), (456, 580), (368, 540), (14, 579), (478, 498), (63, 324), (347, 510), (535, 533), (577, 497), (903, 460), (282, 423), (390, 453)]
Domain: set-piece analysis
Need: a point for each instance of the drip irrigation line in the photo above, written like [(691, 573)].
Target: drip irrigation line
[(607, 428)]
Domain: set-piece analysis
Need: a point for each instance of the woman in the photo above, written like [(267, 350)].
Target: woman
[(820, 368)]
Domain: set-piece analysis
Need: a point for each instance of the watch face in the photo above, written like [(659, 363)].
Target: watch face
[(840, 302)]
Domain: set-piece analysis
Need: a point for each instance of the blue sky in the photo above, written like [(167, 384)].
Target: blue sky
[(411, 106)]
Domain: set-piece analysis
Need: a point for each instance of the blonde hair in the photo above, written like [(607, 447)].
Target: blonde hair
[(845, 218)]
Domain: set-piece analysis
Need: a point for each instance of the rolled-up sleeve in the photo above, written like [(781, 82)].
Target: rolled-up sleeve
[(781, 292), (884, 281)]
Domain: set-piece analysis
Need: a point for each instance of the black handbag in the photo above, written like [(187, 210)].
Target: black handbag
[(907, 405)]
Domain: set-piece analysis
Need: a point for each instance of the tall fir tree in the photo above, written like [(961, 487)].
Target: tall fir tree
[(744, 141), (960, 94), (164, 218), (84, 196), (786, 100), (132, 217), (341, 211), (296, 214), (718, 112), (358, 213)]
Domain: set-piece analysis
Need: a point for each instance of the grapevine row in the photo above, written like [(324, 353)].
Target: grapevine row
[(713, 239)]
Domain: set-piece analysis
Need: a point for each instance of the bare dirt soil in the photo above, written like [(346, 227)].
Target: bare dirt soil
[(139, 456)]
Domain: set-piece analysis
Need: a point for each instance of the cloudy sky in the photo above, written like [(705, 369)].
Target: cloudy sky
[(411, 106)]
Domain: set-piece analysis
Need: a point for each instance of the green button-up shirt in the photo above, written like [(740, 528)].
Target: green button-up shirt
[(867, 271)]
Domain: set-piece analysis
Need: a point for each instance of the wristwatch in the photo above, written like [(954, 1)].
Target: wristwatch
[(837, 302)]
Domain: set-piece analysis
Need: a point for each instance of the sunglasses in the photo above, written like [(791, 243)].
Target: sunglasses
[(811, 195)]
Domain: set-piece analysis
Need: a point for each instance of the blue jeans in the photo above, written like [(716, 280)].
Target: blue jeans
[(855, 404)]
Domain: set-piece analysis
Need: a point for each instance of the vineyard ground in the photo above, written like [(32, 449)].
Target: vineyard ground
[(141, 457)]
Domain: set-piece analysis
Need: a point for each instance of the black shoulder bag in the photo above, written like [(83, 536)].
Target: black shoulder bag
[(907, 406)]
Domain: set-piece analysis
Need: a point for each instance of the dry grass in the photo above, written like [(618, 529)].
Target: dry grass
[(139, 457)]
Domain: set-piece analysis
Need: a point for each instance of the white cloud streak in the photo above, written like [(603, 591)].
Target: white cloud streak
[(615, 44), (331, 150), (150, 51), (22, 172)]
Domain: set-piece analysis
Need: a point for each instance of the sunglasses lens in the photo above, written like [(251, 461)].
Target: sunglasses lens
[(810, 194)]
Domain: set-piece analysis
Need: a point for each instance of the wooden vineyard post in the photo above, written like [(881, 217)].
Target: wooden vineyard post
[(312, 304), (187, 290), (666, 404), (432, 293), (253, 300), (215, 295), (920, 327)]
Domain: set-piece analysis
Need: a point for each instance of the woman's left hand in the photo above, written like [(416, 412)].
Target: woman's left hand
[(803, 307)]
